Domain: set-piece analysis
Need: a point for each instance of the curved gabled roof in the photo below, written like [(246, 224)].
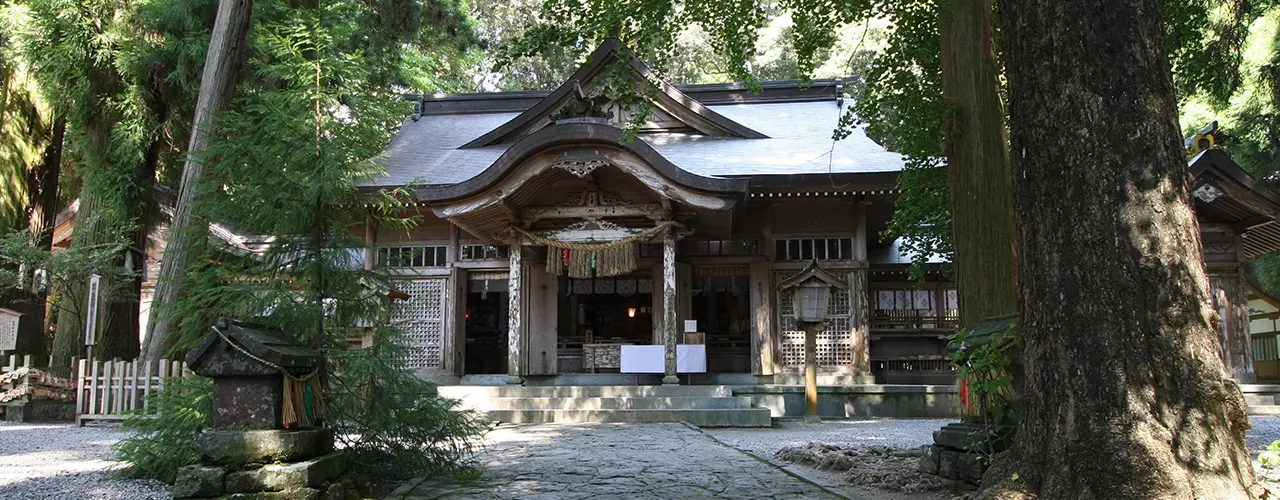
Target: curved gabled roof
[(577, 134), (670, 98)]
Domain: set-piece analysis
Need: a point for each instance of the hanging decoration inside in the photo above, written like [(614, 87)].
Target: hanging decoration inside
[(592, 259)]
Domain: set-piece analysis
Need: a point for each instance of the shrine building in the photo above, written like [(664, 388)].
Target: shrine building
[(551, 239)]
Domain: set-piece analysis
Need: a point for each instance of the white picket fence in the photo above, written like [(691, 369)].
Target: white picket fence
[(108, 390), (13, 362)]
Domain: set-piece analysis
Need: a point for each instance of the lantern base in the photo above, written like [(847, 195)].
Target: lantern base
[(670, 380)]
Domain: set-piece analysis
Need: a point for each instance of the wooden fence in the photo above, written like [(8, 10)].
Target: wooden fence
[(108, 390)]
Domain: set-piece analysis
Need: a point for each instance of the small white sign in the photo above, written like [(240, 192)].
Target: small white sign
[(91, 316), (9, 329), (690, 326)]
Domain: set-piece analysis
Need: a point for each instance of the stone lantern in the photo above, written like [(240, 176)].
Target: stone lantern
[(811, 298)]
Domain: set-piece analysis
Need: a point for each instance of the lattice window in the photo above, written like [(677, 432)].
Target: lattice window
[(801, 249), (834, 343), (412, 256), (422, 318), (484, 252)]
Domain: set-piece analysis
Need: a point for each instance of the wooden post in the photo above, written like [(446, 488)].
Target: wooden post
[(669, 306), (514, 323), (811, 372)]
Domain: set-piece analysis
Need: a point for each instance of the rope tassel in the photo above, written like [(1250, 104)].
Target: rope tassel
[(303, 398), (594, 260)]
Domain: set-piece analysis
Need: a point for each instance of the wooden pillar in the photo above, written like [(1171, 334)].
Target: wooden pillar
[(370, 244), (514, 324), (669, 305), (811, 372), (762, 362), (860, 320), (1231, 300)]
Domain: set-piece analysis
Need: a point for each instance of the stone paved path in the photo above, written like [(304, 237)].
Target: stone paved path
[(615, 461)]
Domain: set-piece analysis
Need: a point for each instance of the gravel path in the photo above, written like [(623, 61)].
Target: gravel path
[(47, 461), (1265, 430)]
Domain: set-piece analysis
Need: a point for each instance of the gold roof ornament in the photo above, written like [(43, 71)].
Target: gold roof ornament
[(1206, 138)]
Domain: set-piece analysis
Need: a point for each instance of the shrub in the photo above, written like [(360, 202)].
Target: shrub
[(165, 432), (392, 422)]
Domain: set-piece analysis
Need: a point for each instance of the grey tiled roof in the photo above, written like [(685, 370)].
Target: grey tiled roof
[(426, 152)]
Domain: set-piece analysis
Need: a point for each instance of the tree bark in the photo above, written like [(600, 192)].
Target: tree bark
[(187, 233), (977, 152), (42, 207), (1125, 394)]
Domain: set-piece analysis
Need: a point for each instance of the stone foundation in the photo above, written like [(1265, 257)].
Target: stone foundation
[(962, 451), (262, 465)]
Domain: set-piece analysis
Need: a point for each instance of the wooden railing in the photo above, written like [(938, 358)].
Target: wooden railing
[(109, 390), (913, 319)]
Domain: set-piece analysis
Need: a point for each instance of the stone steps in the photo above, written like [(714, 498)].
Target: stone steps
[(1262, 399), (619, 403), (732, 417), (584, 391), (1264, 409), (701, 405)]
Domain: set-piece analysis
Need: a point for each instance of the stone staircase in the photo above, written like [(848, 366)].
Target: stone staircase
[(1263, 399), (700, 405)]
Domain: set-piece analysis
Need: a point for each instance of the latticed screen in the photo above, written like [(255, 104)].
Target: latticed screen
[(409, 257), (422, 318), (834, 343)]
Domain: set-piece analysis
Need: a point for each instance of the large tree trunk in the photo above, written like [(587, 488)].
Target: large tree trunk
[(1125, 394), (978, 162), (42, 207), (187, 233)]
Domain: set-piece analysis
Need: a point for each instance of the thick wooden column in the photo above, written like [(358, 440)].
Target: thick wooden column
[(762, 361), (860, 320), (1231, 300), (669, 305), (515, 324)]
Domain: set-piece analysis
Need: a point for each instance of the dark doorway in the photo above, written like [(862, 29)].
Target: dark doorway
[(486, 328), (721, 305), (603, 312)]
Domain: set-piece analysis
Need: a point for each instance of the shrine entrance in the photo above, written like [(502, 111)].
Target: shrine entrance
[(593, 232), (486, 325), (599, 314), (721, 304)]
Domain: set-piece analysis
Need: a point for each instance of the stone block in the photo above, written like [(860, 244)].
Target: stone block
[(248, 402), (970, 467), (929, 458), (311, 473), (974, 437), (298, 494), (265, 446), (198, 481), (948, 464)]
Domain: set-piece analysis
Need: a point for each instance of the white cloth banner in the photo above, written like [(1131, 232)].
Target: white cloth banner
[(690, 358)]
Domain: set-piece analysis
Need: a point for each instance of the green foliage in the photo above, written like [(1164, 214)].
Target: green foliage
[(313, 114), (987, 368), (61, 269), (391, 421), (164, 433)]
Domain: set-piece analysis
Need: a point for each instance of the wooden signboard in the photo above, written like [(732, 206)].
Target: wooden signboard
[(9, 329)]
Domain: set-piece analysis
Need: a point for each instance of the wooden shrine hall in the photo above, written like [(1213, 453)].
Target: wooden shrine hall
[(558, 248)]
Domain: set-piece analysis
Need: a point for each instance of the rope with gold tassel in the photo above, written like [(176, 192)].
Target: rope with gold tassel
[(297, 391)]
